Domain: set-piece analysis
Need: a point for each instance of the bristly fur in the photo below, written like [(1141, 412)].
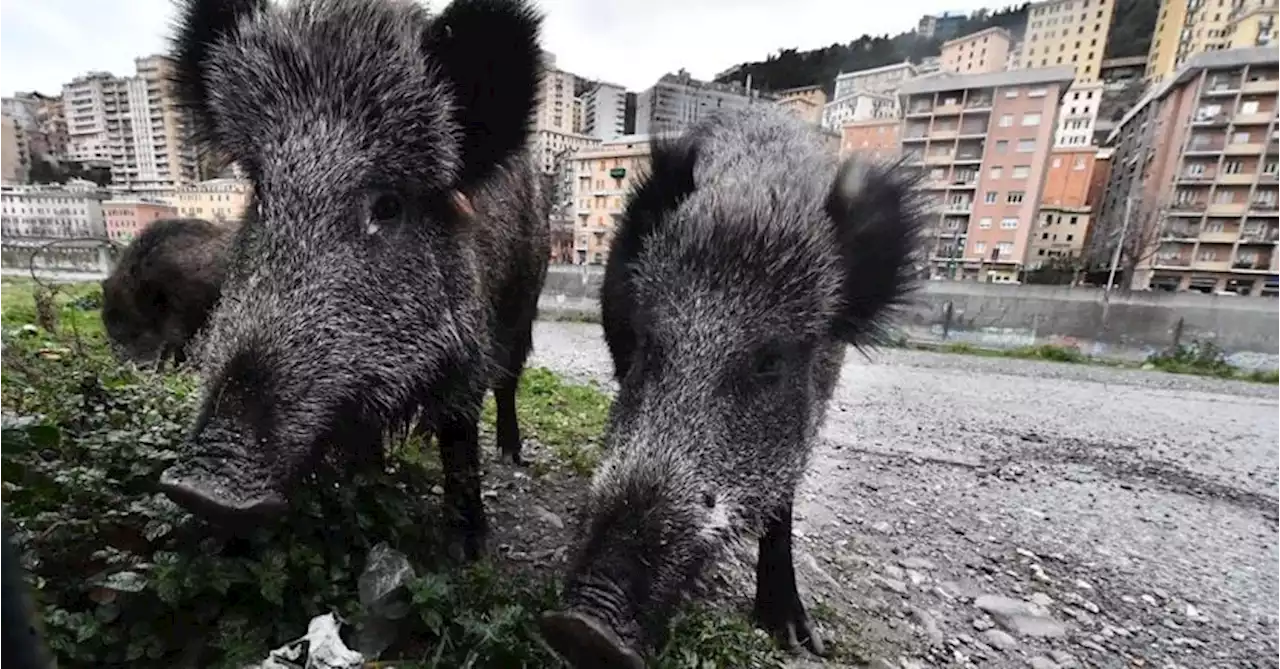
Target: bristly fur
[(361, 294), (745, 263)]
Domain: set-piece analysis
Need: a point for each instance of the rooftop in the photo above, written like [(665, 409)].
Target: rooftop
[(875, 70), (954, 82), (993, 30)]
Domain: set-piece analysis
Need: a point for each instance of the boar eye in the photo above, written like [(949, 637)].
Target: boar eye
[(767, 364), (386, 207), (708, 500)]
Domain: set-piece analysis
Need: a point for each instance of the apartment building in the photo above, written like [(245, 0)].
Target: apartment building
[(132, 124), (805, 102), (216, 200), (555, 98), (1185, 28), (885, 79), (604, 111), (1068, 33), (126, 219), (40, 117), (1195, 161), (1252, 26), (550, 145), (15, 156), (678, 100), (858, 106), (940, 26), (603, 177), (985, 142), (44, 212), (975, 53), (1078, 118), (1073, 186), (877, 138)]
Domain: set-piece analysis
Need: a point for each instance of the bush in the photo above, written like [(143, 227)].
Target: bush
[(1050, 352), (1198, 357)]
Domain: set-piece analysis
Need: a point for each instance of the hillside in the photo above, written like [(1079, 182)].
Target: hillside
[(1132, 27)]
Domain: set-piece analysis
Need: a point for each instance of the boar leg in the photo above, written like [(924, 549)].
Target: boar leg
[(778, 608), (508, 426), (459, 438)]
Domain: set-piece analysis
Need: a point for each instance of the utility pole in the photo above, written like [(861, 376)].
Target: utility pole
[(1115, 256)]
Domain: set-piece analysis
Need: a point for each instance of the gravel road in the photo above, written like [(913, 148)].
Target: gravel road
[(966, 511)]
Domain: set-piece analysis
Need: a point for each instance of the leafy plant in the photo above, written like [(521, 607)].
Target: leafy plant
[(1198, 357)]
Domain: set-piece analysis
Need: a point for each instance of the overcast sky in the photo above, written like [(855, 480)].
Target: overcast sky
[(45, 43)]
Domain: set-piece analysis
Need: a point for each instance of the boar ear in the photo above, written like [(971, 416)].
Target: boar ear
[(200, 25), (878, 214), (488, 50), (667, 183)]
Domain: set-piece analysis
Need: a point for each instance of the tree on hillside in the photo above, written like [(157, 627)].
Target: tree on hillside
[(1139, 240), (790, 68), (1132, 25)]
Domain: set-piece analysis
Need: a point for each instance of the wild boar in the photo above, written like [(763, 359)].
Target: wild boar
[(396, 246), (745, 263)]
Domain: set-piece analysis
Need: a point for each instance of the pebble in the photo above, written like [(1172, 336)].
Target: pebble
[(1092, 646), (882, 527), (1192, 612), (548, 517), (437, 490), (1027, 554), (1083, 585), (1041, 599), (893, 571), (917, 563), (916, 577), (929, 625), (892, 584), (1020, 617), (1042, 662), (1148, 599), (1064, 659), (999, 639), (982, 624)]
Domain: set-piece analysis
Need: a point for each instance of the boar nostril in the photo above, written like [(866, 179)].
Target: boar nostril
[(585, 642), (709, 500)]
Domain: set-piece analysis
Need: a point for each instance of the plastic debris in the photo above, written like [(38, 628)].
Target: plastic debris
[(322, 647)]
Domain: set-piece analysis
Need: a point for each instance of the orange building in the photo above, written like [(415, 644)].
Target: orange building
[(1073, 185), (126, 219), (877, 137)]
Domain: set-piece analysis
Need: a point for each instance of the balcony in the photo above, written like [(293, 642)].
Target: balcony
[(943, 133), (1179, 233), (914, 136), (947, 110), (977, 104), (957, 207), (1212, 265), (1216, 88), (964, 183), (920, 110), (1209, 119), (1224, 236), (1256, 235), (1258, 265), (1271, 86), (1256, 118), (1226, 209), (1244, 149), (1187, 208), (939, 158), (1238, 179), (968, 157), (1202, 178), (973, 130), (1263, 207), (1205, 148)]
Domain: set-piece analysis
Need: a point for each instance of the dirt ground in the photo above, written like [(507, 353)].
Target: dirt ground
[(986, 512)]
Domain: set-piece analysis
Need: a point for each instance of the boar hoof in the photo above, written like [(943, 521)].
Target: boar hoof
[(586, 643), (790, 628)]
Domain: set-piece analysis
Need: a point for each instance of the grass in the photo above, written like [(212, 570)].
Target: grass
[(124, 579), (1175, 361)]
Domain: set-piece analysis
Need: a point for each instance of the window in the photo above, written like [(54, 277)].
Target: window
[(1011, 93), (1038, 92), (1005, 248), (1026, 145), (1014, 197), (991, 197), (1057, 162), (980, 247), (1232, 167), (1002, 146), (1079, 164), (1240, 138), (1008, 224), (1006, 120), (1224, 197), (1032, 119), (1249, 107), (1021, 171), (1074, 219), (1269, 167), (985, 224), (997, 171)]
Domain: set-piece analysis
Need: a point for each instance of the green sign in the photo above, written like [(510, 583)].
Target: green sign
[(618, 172)]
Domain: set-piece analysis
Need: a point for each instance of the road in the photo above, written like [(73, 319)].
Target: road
[(967, 511)]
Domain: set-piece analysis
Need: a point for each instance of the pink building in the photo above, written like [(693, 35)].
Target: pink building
[(127, 219), (985, 142)]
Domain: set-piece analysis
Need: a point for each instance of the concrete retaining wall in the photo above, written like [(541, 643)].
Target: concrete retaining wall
[(1128, 327)]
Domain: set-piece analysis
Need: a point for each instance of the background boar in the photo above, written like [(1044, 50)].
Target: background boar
[(160, 293), (745, 263), (396, 247)]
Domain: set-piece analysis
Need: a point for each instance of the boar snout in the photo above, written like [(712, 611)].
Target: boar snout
[(586, 642), (224, 482)]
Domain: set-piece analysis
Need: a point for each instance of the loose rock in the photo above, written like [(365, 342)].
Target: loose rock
[(1000, 639), (1020, 617)]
